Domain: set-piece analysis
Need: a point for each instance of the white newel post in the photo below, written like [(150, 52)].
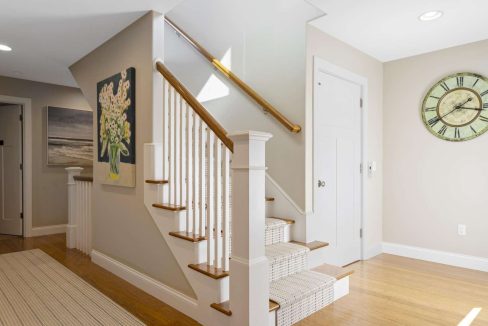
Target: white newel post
[(249, 287), (71, 227)]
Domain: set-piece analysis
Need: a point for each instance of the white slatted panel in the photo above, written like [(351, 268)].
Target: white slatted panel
[(82, 211)]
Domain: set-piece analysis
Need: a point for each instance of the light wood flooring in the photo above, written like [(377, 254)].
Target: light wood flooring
[(386, 290)]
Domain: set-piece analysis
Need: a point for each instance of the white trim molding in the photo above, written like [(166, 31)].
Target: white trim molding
[(27, 159), (48, 230), (437, 256), (154, 287)]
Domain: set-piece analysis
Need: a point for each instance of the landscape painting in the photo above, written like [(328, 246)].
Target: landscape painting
[(69, 137)]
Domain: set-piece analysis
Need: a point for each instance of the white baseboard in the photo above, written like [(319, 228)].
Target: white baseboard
[(436, 256), (372, 251), (168, 295), (47, 230)]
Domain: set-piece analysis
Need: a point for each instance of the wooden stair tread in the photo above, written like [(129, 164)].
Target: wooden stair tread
[(273, 306), (270, 199), (210, 271), (223, 307), (314, 245), (334, 271), (188, 236), (287, 220), (156, 182), (170, 207)]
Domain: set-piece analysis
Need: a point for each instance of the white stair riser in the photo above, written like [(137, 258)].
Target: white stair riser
[(276, 235)]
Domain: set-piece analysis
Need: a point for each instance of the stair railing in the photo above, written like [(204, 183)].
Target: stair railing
[(196, 164), (266, 106)]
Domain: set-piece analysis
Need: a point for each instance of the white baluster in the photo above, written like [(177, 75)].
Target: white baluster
[(182, 153), (225, 209), (166, 100), (171, 180), (202, 188), (176, 158), (195, 179), (190, 225), (217, 196), (209, 194)]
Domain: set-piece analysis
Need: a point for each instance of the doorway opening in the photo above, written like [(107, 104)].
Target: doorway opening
[(11, 169), (339, 110)]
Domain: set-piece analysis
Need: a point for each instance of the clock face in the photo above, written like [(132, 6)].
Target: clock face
[(456, 108)]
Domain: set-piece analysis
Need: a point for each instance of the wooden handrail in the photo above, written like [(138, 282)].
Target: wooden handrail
[(267, 107), (196, 106)]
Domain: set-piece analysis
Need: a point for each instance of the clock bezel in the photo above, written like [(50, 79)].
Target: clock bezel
[(431, 89)]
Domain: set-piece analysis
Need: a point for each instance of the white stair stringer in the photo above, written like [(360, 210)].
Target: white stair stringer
[(207, 290)]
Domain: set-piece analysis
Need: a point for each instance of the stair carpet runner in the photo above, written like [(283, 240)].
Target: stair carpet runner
[(299, 291)]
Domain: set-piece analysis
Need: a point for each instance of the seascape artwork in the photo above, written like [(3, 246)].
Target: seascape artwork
[(69, 137), (116, 129)]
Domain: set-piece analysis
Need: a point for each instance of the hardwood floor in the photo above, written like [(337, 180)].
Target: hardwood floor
[(392, 290), (386, 290), (148, 309)]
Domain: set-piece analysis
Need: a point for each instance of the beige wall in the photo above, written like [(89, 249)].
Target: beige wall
[(122, 226), (340, 54), (49, 193), (432, 185)]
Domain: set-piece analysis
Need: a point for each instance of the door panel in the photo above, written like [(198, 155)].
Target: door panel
[(337, 157), (10, 172)]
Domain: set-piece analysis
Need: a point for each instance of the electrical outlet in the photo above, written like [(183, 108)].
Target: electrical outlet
[(461, 229)]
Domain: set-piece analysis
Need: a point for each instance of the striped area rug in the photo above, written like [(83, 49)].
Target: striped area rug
[(37, 290)]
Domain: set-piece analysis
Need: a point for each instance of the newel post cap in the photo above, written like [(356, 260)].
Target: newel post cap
[(239, 136)]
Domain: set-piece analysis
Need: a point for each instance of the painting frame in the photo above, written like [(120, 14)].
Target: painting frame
[(84, 147), (116, 129)]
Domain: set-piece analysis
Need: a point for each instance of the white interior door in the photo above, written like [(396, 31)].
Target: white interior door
[(337, 159), (10, 171)]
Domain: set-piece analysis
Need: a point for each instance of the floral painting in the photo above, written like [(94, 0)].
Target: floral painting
[(116, 129)]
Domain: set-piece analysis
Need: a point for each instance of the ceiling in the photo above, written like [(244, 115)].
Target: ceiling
[(390, 29), (48, 36)]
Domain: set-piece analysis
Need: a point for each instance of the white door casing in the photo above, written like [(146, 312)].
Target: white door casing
[(337, 181), (10, 170)]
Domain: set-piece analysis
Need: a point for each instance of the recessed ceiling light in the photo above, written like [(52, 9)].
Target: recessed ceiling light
[(431, 15), (4, 47)]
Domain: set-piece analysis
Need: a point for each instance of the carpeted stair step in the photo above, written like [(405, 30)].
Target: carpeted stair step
[(286, 259), (274, 230), (300, 295)]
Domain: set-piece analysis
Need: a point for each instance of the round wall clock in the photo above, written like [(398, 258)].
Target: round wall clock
[(456, 108)]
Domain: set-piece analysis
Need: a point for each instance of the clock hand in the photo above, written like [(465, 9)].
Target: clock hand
[(475, 109), (457, 107)]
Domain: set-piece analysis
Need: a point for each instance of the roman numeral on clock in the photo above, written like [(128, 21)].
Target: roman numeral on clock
[(485, 106), (446, 88), (457, 134), (434, 108), (476, 82), (460, 81), (437, 98), (474, 130), (483, 118), (442, 131), (432, 122), (484, 93)]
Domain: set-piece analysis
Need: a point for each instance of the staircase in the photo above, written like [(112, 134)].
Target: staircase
[(205, 190)]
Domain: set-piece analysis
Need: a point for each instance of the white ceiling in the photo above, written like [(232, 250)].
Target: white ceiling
[(390, 29), (47, 36)]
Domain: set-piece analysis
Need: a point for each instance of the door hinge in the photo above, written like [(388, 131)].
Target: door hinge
[(21, 117), (361, 168), (361, 103), (21, 166), (22, 215), (361, 233)]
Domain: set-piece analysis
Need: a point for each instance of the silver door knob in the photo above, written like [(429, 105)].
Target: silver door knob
[(321, 183)]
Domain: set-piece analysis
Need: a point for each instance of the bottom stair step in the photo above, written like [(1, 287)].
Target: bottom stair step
[(300, 295), (224, 307)]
